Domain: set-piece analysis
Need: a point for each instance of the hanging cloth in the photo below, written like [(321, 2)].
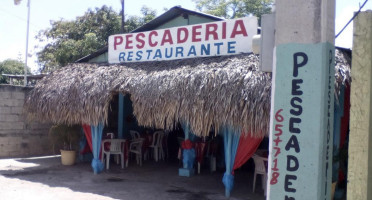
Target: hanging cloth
[(88, 135), (231, 142), (188, 148), (96, 131), (246, 148), (186, 130)]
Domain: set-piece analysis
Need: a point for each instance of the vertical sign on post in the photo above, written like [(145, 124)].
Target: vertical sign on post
[(301, 124)]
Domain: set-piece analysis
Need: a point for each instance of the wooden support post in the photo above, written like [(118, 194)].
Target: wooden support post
[(121, 116), (360, 139)]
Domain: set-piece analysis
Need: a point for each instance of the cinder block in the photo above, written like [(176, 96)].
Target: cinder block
[(6, 102), (11, 133), (10, 118), (12, 125), (16, 153), (19, 125), (14, 140), (35, 149), (11, 147), (16, 110), (39, 127), (22, 118), (4, 154), (18, 95), (17, 102), (4, 110), (4, 140), (6, 126), (5, 95)]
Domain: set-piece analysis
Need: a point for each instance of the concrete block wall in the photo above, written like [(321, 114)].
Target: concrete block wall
[(19, 138)]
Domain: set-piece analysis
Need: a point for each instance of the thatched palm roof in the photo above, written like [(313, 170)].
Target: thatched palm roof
[(206, 92)]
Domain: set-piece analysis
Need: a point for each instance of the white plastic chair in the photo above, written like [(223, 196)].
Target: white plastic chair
[(260, 168), (134, 134), (157, 145), (116, 148), (136, 148), (111, 135)]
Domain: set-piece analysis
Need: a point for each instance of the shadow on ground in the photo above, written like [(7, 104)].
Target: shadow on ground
[(154, 180)]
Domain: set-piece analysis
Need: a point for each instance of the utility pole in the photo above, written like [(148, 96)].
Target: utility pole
[(122, 17), (301, 124), (26, 55), (121, 96), (17, 2)]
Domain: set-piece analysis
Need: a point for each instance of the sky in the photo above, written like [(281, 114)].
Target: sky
[(13, 20)]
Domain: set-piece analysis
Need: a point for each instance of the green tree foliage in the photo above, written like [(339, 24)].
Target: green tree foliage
[(10, 66), (68, 41), (230, 9), (134, 22)]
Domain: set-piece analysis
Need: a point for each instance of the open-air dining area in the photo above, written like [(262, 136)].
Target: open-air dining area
[(158, 146), (198, 126), (163, 150)]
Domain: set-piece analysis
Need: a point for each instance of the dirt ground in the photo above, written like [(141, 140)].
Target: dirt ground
[(45, 178)]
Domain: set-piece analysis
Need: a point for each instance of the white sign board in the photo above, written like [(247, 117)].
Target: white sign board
[(200, 40)]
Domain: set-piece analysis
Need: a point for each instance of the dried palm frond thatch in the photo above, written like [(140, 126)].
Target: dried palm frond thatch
[(206, 92), (342, 71)]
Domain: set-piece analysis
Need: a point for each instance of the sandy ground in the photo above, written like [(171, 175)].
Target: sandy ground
[(45, 178)]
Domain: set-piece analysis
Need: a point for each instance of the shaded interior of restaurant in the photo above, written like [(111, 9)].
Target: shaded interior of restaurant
[(214, 147), (214, 142)]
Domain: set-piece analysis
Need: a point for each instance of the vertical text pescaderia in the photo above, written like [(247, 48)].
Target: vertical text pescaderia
[(292, 147)]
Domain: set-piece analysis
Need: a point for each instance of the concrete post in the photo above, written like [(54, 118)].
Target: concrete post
[(301, 125), (360, 139), (121, 116)]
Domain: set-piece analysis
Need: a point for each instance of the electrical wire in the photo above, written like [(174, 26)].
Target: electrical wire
[(356, 14), (19, 18)]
